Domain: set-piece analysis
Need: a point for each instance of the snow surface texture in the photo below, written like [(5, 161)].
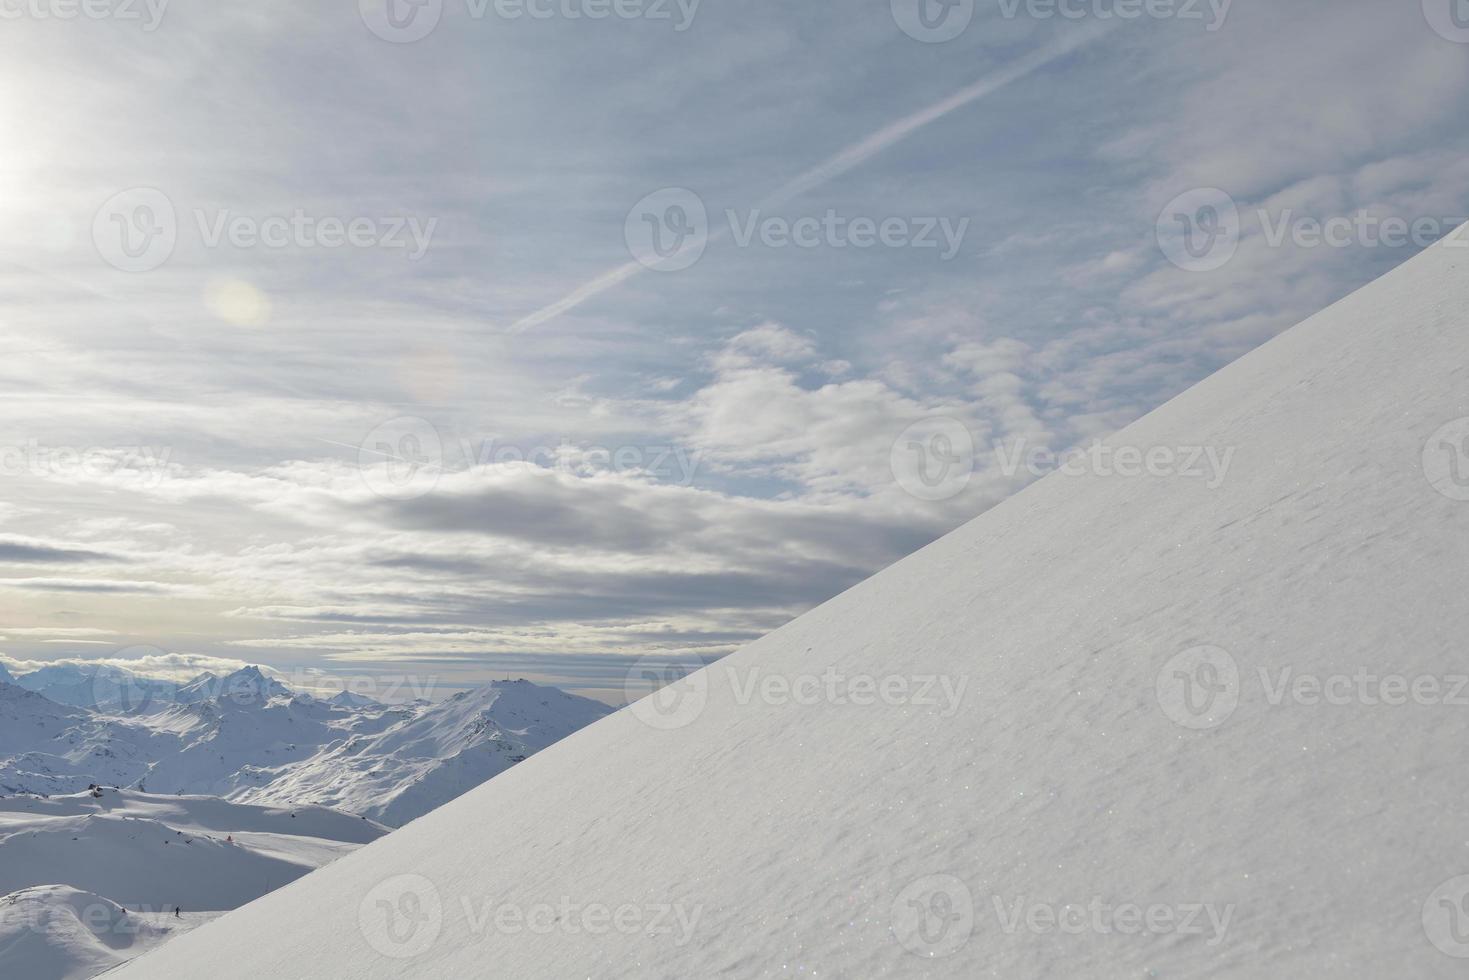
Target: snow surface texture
[(125, 861), (259, 742), (1116, 759)]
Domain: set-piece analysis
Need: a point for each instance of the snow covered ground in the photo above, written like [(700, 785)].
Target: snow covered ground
[(90, 881), (56, 932), (1130, 726), (248, 738), (86, 878)]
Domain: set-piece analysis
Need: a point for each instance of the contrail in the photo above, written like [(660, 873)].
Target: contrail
[(852, 156)]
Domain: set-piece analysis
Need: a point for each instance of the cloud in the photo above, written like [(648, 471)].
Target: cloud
[(15, 550), (156, 664), (101, 586), (174, 477)]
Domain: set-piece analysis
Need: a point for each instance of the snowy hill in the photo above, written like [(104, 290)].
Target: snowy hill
[(248, 738), (56, 932), (1114, 727), (92, 880), (141, 849)]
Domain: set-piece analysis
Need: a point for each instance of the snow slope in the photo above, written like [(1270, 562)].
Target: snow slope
[(1106, 799), (141, 849), (248, 738), (90, 881)]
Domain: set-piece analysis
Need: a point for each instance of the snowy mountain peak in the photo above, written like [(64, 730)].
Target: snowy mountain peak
[(246, 685), (346, 699), (5, 676)]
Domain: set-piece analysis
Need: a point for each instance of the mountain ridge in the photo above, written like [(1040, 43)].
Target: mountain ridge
[(248, 738)]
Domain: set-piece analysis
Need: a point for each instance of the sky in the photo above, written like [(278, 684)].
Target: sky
[(449, 340)]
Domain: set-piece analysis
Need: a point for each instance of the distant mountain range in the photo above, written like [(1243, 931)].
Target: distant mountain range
[(247, 737), (231, 786)]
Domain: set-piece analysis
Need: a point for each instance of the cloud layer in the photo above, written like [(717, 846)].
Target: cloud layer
[(678, 462)]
